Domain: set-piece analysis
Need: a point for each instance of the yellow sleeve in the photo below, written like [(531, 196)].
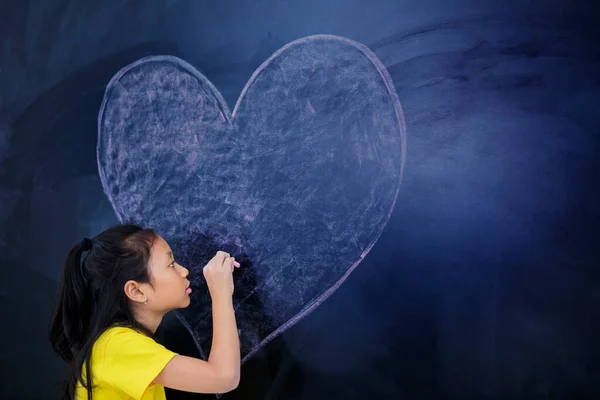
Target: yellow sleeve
[(132, 361)]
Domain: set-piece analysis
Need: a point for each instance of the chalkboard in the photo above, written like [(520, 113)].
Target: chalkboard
[(298, 182)]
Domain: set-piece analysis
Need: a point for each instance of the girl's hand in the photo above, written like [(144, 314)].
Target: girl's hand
[(218, 274)]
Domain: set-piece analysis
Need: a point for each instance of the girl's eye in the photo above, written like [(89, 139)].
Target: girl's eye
[(172, 264)]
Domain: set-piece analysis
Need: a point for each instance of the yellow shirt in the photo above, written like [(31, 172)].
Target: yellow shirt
[(124, 363)]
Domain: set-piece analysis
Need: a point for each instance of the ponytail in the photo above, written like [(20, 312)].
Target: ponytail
[(70, 319)]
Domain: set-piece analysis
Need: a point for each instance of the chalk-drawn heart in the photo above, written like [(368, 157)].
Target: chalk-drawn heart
[(298, 182)]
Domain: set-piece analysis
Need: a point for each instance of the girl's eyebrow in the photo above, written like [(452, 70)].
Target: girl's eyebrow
[(170, 254)]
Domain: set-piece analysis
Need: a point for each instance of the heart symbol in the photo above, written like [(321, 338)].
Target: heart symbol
[(297, 183)]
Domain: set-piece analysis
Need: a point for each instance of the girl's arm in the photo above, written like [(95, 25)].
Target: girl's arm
[(221, 373)]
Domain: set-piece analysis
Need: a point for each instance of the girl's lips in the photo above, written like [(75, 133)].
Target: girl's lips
[(188, 290)]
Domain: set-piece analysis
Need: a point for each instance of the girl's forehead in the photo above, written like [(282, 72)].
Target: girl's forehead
[(161, 242), (160, 250)]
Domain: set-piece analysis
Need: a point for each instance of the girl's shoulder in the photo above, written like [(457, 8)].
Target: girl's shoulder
[(128, 360), (114, 335), (113, 331)]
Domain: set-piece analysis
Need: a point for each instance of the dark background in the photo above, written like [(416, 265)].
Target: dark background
[(485, 282)]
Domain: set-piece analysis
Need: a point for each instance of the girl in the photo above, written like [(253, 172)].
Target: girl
[(110, 305)]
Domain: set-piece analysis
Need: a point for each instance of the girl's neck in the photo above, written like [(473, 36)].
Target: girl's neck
[(149, 320)]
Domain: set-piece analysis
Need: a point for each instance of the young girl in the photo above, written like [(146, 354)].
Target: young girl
[(110, 305)]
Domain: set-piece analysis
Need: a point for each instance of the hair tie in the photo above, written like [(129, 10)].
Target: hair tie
[(86, 244)]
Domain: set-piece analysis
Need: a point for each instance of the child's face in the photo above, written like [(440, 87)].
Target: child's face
[(169, 279)]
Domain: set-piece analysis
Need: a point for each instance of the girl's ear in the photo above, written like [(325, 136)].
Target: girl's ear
[(134, 292)]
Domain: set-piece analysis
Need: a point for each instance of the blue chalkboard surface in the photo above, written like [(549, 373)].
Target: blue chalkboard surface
[(298, 182)]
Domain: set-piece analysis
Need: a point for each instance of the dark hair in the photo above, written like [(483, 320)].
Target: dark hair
[(91, 296)]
